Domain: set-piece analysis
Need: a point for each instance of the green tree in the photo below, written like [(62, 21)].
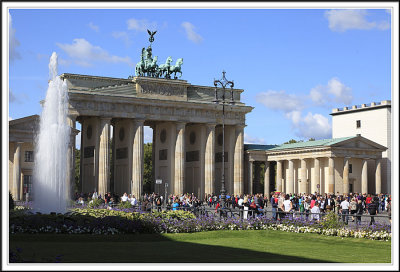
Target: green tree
[(77, 170), (292, 141), (148, 167), (311, 139)]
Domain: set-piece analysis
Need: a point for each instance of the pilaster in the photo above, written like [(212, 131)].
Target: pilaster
[(179, 158), (104, 157), (238, 185), (209, 166), (137, 158)]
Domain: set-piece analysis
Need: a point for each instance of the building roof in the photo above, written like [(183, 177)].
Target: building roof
[(323, 142), (258, 147)]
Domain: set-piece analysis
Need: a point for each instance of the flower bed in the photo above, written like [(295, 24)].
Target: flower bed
[(103, 221)]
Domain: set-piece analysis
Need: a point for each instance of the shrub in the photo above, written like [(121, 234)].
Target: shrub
[(11, 201), (124, 205), (96, 203), (331, 221)]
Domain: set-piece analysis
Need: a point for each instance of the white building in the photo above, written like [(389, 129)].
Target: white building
[(372, 121)]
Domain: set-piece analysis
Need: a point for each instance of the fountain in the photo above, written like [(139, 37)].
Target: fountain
[(50, 190)]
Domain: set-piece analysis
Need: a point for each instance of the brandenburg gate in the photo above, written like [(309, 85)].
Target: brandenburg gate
[(187, 134)]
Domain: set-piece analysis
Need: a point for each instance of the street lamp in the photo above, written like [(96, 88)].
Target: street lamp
[(223, 83)]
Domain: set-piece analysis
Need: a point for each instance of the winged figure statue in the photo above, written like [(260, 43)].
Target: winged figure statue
[(151, 39)]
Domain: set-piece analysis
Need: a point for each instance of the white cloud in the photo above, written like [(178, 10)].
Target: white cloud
[(13, 42), (148, 134), (253, 140), (280, 100), (10, 118), (141, 25), (123, 36), (78, 141), (94, 27), (334, 91), (12, 97), (313, 126), (344, 19), (85, 54), (191, 34), (310, 126)]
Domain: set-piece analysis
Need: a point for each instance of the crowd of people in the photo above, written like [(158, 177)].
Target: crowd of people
[(309, 206)]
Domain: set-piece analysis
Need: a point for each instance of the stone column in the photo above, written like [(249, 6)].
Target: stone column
[(331, 175), (290, 179), (316, 177), (378, 179), (279, 176), (250, 189), (137, 158), (104, 157), (364, 177), (209, 165), (346, 176), (17, 172), (267, 189), (179, 159), (303, 176), (257, 174), (238, 184), (70, 177)]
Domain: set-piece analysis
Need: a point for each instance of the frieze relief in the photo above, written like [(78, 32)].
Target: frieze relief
[(152, 112), (161, 89)]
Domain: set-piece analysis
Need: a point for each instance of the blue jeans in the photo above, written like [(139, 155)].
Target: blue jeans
[(274, 213), (345, 217)]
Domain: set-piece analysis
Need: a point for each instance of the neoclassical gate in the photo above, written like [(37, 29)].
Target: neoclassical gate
[(187, 134)]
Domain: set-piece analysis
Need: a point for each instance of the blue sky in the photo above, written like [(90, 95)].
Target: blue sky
[(294, 65)]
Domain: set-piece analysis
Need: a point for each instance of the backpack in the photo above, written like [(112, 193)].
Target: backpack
[(353, 206), (158, 201)]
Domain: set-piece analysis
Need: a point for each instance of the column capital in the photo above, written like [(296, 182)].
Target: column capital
[(210, 126), (105, 119), (138, 122), (180, 125), (73, 116)]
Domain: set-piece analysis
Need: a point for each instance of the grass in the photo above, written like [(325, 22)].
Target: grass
[(251, 246)]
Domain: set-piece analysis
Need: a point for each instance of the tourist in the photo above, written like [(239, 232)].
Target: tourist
[(301, 207), (353, 207), (315, 211), (274, 206), (175, 205), (344, 205), (372, 207), (133, 201), (158, 203), (280, 203), (359, 211), (329, 203), (389, 210), (124, 197), (307, 206), (287, 207)]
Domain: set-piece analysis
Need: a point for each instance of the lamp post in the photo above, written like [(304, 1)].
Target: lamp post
[(223, 83)]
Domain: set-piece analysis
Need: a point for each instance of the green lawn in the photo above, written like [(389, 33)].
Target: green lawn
[(253, 246)]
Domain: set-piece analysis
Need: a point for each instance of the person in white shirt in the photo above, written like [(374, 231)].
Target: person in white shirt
[(344, 205), (124, 197), (240, 201), (315, 212), (133, 200), (287, 206)]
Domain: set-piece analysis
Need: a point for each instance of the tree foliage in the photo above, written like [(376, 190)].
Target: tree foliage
[(148, 178)]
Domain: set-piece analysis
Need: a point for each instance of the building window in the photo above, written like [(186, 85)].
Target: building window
[(350, 168), (27, 184), (28, 156), (358, 123)]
